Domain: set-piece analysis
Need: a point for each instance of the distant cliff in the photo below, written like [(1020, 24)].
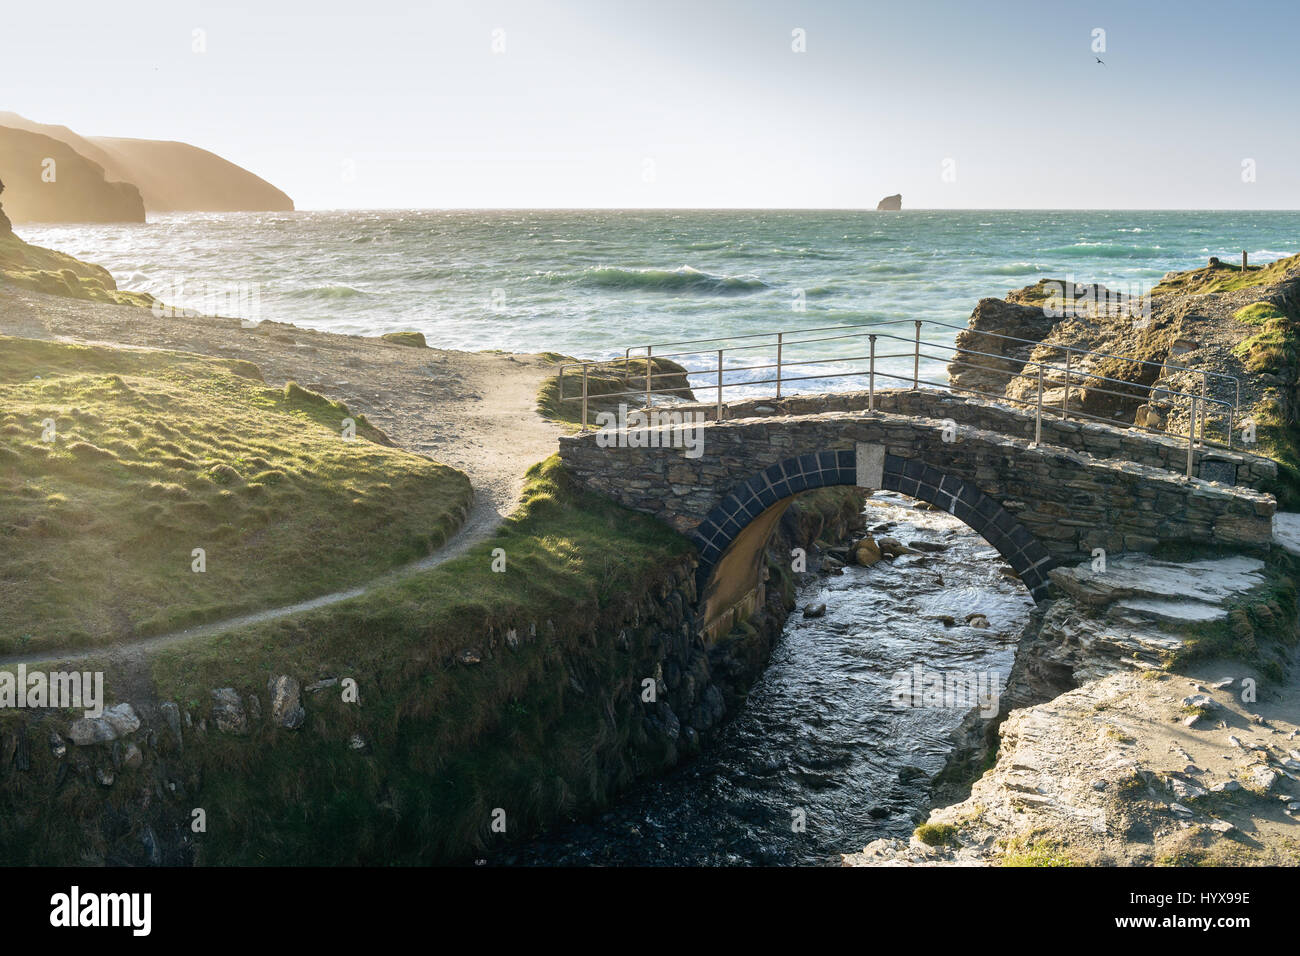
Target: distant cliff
[(170, 176), (890, 203), (47, 181)]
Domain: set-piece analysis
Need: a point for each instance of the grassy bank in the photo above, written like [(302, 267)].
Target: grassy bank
[(155, 454), (457, 718), (44, 270)]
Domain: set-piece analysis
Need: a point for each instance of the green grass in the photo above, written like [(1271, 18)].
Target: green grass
[(453, 741), (412, 339), (1258, 314), (1228, 277), (1035, 850), (44, 270), (158, 453), (937, 834)]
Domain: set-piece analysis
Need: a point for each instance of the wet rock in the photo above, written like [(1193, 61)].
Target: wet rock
[(104, 777), (814, 610), (172, 718), (22, 751), (977, 620), (132, 757), (866, 552), (892, 547), (228, 711), (286, 704), (122, 718), (931, 546), (57, 746), (87, 731)]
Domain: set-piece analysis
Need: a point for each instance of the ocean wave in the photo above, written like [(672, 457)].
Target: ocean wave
[(1104, 250), (328, 292), (685, 279), (1015, 269)]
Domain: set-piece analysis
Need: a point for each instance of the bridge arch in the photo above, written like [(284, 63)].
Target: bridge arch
[(733, 536)]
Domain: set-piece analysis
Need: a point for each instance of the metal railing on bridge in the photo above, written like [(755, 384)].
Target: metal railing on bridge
[(723, 368)]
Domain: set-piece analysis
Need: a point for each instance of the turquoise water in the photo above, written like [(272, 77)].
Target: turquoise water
[(591, 283)]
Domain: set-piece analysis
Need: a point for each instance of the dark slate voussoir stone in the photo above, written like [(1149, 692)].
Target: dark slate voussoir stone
[(889, 481), (1004, 521), (988, 507), (828, 461), (808, 464), (914, 469), (847, 461), (894, 465), (1020, 537)]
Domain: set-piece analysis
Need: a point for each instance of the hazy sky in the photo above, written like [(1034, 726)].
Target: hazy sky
[(389, 103)]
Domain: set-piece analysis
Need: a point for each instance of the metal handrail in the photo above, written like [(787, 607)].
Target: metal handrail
[(858, 330), (1200, 402)]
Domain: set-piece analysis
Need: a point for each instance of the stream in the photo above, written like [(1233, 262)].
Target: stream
[(822, 760)]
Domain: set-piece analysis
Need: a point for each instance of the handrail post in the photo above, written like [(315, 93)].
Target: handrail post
[(780, 336), (1201, 442), (584, 398), (718, 416), (1065, 400), (871, 377), (916, 360), (1191, 436), (648, 365), (1038, 415)]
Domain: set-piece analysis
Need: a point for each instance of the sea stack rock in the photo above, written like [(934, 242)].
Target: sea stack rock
[(890, 203)]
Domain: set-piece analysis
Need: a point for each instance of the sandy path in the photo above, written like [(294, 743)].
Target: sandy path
[(474, 411)]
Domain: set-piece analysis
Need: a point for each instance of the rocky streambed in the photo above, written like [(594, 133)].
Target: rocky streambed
[(824, 755), (1109, 755)]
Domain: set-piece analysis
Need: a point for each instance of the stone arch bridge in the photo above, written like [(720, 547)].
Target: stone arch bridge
[(1084, 486)]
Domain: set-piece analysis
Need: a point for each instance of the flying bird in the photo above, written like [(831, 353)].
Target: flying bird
[(1101, 61)]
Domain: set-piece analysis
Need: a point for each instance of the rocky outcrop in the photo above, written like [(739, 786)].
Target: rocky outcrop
[(48, 181), (890, 203), (1191, 336), (6, 228)]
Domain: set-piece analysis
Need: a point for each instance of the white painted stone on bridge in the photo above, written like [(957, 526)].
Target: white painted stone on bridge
[(871, 465)]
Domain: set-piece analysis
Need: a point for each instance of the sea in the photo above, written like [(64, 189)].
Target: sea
[(594, 284)]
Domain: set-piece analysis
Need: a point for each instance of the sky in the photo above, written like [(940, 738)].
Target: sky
[(704, 104)]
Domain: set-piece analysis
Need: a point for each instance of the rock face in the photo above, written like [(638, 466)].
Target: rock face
[(228, 711), (890, 203), (1150, 354), (47, 181), (168, 176), (286, 702), (5, 227), (1097, 759)]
